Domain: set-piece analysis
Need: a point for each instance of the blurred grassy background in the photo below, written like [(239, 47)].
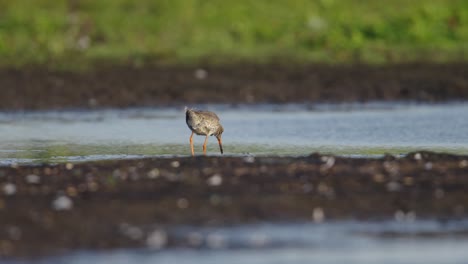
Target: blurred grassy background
[(71, 33)]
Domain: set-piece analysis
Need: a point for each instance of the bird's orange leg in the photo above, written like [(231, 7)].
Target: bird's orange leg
[(204, 145), (191, 144)]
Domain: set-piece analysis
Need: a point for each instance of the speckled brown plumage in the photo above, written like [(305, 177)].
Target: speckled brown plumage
[(204, 123)]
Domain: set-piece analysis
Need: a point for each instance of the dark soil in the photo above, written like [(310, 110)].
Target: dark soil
[(125, 86), (108, 197)]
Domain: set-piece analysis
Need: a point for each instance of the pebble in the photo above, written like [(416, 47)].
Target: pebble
[(428, 166), (62, 203), (33, 179), (132, 232), (215, 180), (157, 239), (175, 164), (200, 74), (417, 156), (463, 164), (329, 162), (69, 166), (153, 174), (401, 216), (9, 189), (318, 215), (249, 159)]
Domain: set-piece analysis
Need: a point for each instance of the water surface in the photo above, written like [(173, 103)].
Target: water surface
[(345, 129), (415, 241)]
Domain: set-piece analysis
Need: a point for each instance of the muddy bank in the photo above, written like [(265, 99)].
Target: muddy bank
[(120, 86), (96, 205)]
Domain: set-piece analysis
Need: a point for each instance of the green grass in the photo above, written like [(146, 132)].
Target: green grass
[(61, 153), (67, 33)]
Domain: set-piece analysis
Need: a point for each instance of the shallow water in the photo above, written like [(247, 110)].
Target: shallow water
[(344, 129), (414, 241)]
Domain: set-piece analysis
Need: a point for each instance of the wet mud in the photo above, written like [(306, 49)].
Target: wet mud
[(127, 86), (50, 209)]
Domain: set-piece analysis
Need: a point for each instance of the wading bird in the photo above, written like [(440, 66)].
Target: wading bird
[(203, 123)]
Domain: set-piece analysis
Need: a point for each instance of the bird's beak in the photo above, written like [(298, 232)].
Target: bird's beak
[(220, 143)]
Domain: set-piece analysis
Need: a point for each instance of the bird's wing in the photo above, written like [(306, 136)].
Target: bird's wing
[(210, 114)]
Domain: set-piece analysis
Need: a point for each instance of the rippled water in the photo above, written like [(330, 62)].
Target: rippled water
[(345, 129), (392, 242)]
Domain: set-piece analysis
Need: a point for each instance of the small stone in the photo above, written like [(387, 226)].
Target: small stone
[(116, 173), (428, 166), (318, 215), (200, 74), (9, 189), (153, 174), (157, 239), (392, 168), (33, 179), (132, 232), (399, 216), (463, 164), (215, 180), (92, 102), (62, 203), (69, 166), (175, 164), (329, 162), (249, 159), (417, 156)]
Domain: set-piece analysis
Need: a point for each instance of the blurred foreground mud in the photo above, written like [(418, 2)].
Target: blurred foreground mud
[(50, 209), (126, 86)]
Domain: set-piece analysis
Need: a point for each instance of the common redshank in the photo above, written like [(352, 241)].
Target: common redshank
[(204, 123)]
